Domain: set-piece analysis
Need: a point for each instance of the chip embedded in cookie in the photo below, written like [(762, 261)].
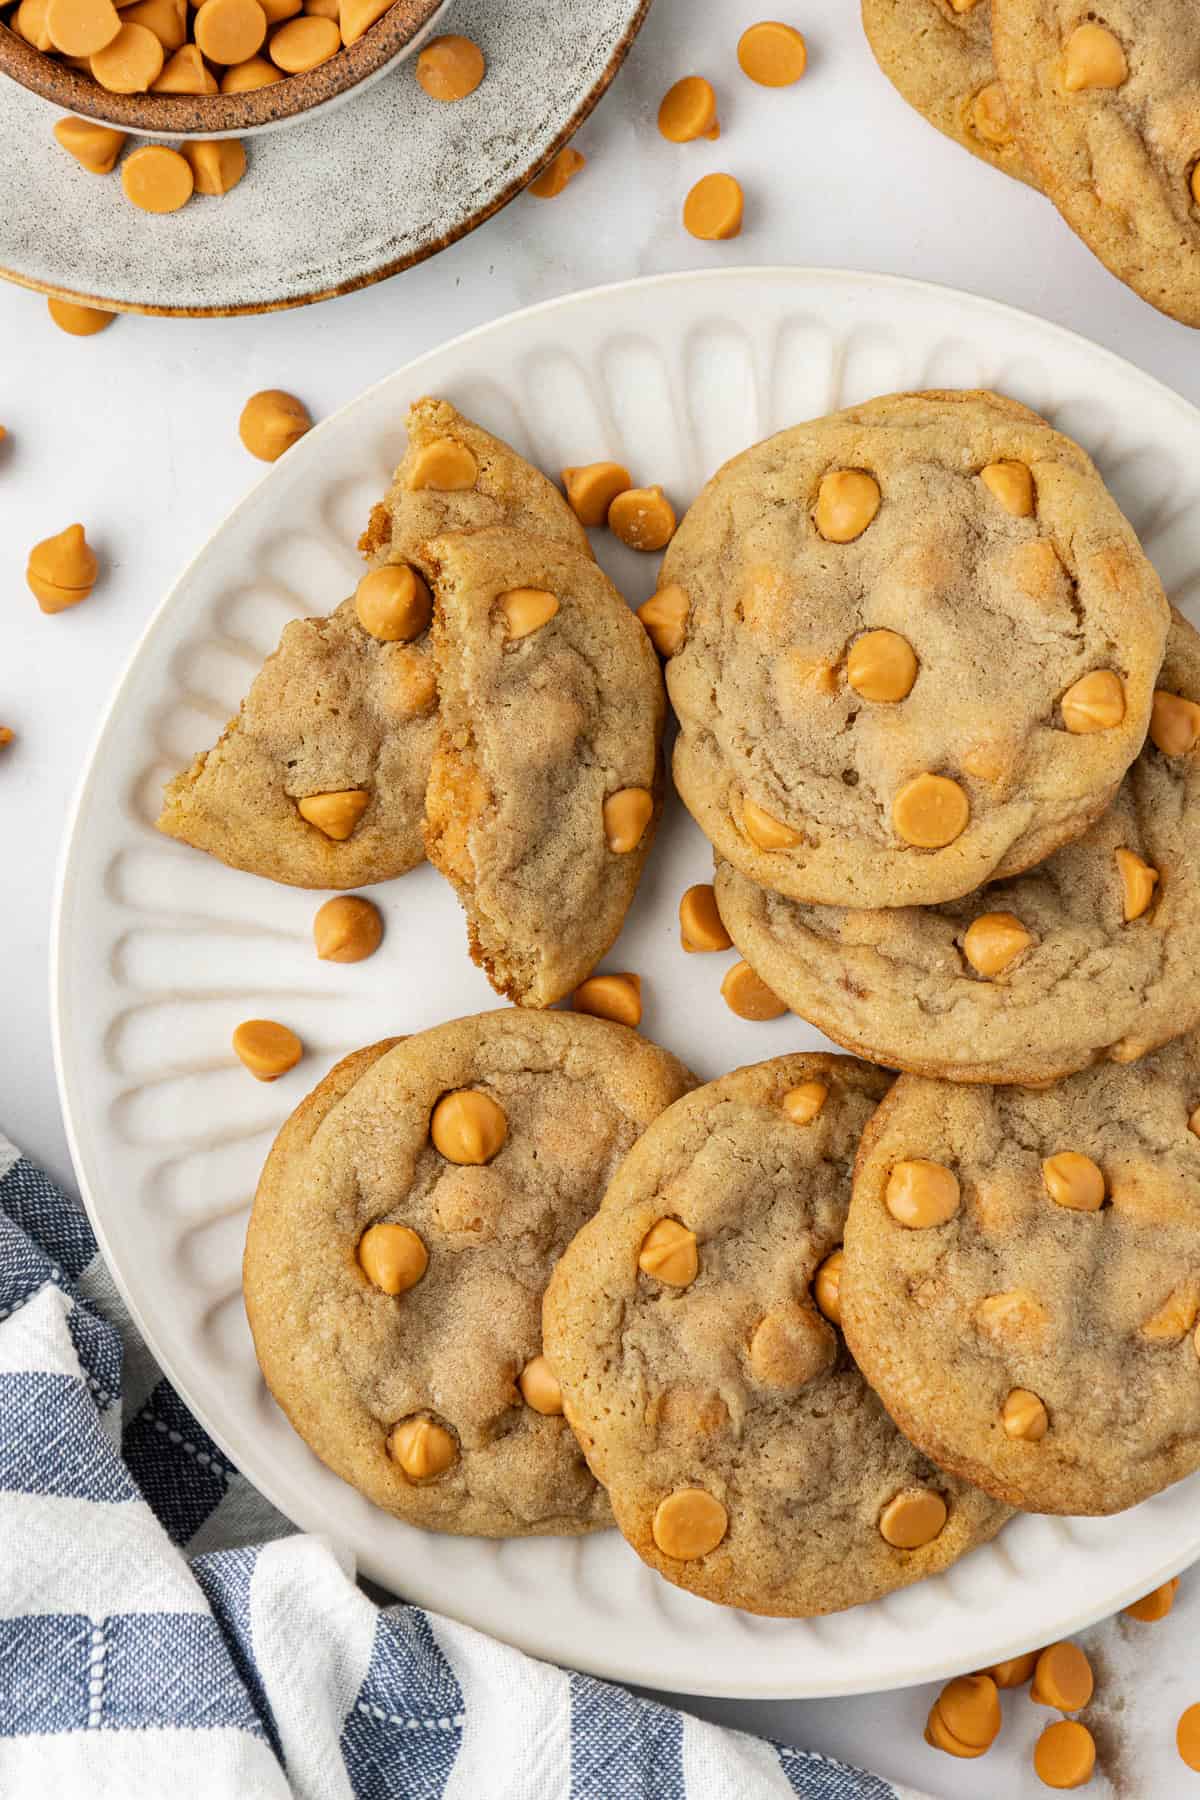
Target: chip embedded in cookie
[(938, 55), (1105, 105), (405, 1225), (917, 653), (1022, 1279), (1094, 953), (546, 783), (320, 779), (694, 1328)]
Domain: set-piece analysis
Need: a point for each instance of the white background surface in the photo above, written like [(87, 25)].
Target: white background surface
[(134, 432)]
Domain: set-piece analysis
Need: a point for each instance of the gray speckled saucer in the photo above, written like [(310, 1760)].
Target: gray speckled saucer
[(326, 205)]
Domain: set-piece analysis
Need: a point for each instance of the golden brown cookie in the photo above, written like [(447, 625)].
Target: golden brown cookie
[(917, 650), (546, 784), (405, 1225), (1092, 954), (1022, 1279), (693, 1326)]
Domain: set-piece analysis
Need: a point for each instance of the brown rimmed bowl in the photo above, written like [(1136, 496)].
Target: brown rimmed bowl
[(393, 37)]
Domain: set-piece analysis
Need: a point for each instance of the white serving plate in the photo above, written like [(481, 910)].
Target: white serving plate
[(161, 951)]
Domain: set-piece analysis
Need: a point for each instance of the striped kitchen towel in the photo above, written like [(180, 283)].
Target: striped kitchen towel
[(164, 1632)]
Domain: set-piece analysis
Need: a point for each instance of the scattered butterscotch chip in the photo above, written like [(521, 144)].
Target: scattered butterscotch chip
[(643, 518), (526, 610), (1138, 882), (939, 1737), (271, 422), (62, 570), (993, 942), (748, 995), (393, 603), (1024, 1416), (558, 172), (229, 31), (689, 1523), (764, 829), (468, 1127), (131, 63), (626, 815), (1096, 702), (616, 997), (1093, 58), (847, 501), (827, 1286), (1011, 483), (714, 208), (450, 68), (669, 1253), (422, 1449), (347, 929), (304, 43), (1154, 1606), (772, 54), (1015, 1671), (444, 465), (881, 666), (803, 1103), (79, 321), (267, 1048), (1074, 1181), (592, 488), (335, 814), (1062, 1678), (689, 111), (156, 179), (930, 811), (186, 72), (1065, 1755), (700, 926), (969, 1707), (94, 147), (539, 1387), (393, 1257), (245, 77), (913, 1518), (1187, 1737), (81, 27), (921, 1194), (664, 615), (217, 164), (1174, 723)]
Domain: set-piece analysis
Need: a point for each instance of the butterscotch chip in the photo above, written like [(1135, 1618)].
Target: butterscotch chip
[(913, 1519), (271, 422), (930, 811), (167, 19), (267, 1048), (186, 72), (790, 1347), (1174, 723), (1065, 1755), (939, 1737), (1062, 1678), (7, 734), (668, 1252), (1187, 1737), (353, 16), (1015, 1671), (592, 488), (393, 1257), (303, 43), (700, 926), (1155, 1605), (688, 110), (1012, 1319), (969, 1708), (94, 147), (1024, 1416), (1074, 1181), (626, 816), (772, 54), (993, 942), (664, 615), (156, 179), (1011, 483), (130, 64), (1095, 702), (229, 31), (81, 27), (1138, 881), (1175, 1317), (445, 464), (62, 569), (29, 22), (803, 1103), (881, 666), (714, 208), (335, 814), (422, 1449), (616, 997), (764, 829), (468, 1127), (827, 1286), (347, 929), (747, 995), (991, 117), (558, 172), (78, 321), (847, 501), (217, 164), (245, 77), (539, 1387), (643, 518), (1093, 58), (450, 68), (689, 1523), (527, 609), (922, 1194), (393, 603)]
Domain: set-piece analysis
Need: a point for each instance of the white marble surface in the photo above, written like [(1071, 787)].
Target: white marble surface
[(134, 432)]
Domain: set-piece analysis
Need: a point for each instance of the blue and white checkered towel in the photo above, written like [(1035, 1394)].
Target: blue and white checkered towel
[(164, 1632)]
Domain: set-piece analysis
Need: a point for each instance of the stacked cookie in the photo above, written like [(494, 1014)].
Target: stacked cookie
[(1097, 108)]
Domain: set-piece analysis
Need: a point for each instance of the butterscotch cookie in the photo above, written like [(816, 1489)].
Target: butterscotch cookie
[(320, 780), (404, 1228), (1105, 104), (693, 1326), (546, 783), (918, 644), (1022, 1279), (938, 55), (1095, 953)]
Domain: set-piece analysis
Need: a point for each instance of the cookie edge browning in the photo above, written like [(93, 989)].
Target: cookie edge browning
[(561, 1302)]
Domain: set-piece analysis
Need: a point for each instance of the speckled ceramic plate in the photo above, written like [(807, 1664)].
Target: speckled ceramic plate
[(160, 951), (331, 203)]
